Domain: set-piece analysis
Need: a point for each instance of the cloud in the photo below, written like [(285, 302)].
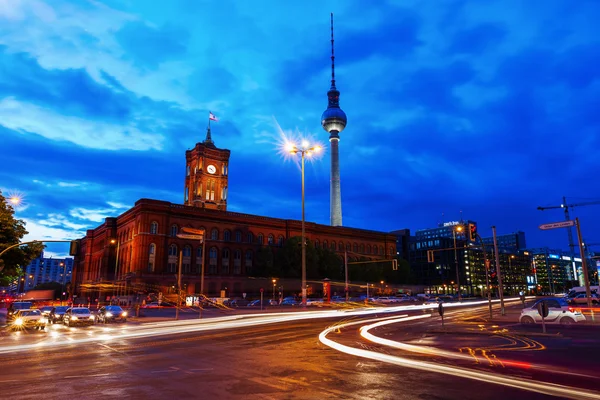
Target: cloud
[(25, 117)]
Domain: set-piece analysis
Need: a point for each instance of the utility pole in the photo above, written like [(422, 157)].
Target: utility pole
[(179, 283), (346, 272), (586, 278), (487, 274), (500, 287)]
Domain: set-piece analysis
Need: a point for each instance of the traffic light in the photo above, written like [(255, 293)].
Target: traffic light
[(395, 265), (430, 257), (473, 232), (74, 249)]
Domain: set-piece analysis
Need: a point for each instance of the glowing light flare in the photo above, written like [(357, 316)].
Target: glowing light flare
[(16, 199)]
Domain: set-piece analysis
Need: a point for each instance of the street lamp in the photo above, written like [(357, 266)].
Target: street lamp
[(458, 228), (305, 149), (274, 284), (113, 241)]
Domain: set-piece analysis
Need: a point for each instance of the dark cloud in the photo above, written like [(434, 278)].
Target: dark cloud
[(150, 46), (477, 39), (72, 91)]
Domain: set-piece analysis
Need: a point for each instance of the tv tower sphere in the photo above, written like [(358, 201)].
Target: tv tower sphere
[(333, 119)]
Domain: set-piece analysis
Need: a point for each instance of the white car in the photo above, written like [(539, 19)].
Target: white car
[(29, 318), (79, 316), (559, 312)]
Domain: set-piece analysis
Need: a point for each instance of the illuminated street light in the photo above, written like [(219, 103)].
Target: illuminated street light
[(274, 284), (459, 229), (304, 150)]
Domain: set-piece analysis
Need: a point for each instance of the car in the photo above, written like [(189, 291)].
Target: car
[(256, 303), (14, 307), (559, 312), (151, 305), (57, 314), (239, 303), (111, 313), (581, 298), (290, 301), (29, 318), (79, 316), (46, 310)]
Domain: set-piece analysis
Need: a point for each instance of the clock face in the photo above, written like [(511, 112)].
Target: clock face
[(211, 169)]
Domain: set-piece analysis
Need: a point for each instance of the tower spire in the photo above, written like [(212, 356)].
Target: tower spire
[(208, 141), (333, 121), (332, 57)]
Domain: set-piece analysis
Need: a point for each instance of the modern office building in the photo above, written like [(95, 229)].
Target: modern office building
[(47, 269), (512, 241)]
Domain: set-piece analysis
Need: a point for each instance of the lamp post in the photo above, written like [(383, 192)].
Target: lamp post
[(458, 228), (113, 241), (304, 150), (274, 284)]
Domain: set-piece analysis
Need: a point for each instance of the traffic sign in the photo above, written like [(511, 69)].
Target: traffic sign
[(192, 230), (189, 236), (554, 225), (262, 290)]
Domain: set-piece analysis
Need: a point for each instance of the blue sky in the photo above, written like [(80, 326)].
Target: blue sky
[(489, 108)]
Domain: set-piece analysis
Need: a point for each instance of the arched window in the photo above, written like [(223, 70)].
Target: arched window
[(214, 234), (270, 240), (248, 262), (173, 250), (173, 230), (325, 244), (362, 248), (237, 261), (348, 247), (380, 250), (249, 237), (199, 252), (317, 243), (261, 239), (368, 249), (212, 261), (225, 262), (226, 235), (392, 250), (341, 246), (152, 249), (187, 251), (280, 241), (154, 227), (333, 245), (225, 253), (355, 248), (238, 236)]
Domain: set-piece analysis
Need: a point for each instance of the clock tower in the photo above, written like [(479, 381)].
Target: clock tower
[(206, 175)]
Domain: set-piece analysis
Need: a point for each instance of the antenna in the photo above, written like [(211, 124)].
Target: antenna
[(332, 56)]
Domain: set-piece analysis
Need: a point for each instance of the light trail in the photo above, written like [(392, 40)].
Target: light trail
[(221, 323), (514, 382)]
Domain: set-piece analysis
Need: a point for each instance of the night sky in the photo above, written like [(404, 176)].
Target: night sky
[(485, 108)]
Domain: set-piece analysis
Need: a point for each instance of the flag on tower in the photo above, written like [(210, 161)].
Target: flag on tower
[(212, 116)]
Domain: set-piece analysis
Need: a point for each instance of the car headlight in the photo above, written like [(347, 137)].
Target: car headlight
[(91, 317), (124, 313), (74, 318), (108, 314), (43, 320), (18, 321)]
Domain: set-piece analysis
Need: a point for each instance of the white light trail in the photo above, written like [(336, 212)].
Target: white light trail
[(229, 322), (515, 382)]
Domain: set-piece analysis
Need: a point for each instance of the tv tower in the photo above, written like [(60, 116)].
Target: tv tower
[(333, 121)]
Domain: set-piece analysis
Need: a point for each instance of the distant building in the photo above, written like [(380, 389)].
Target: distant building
[(435, 254), (512, 241), (553, 270), (47, 269), (402, 243)]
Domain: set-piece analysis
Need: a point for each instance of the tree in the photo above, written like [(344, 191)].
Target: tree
[(13, 262)]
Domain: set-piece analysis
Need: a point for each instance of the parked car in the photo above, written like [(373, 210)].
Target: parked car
[(29, 319), (14, 307), (239, 303), (559, 312), (56, 314), (111, 314), (256, 303), (581, 298), (151, 305), (290, 301), (79, 316)]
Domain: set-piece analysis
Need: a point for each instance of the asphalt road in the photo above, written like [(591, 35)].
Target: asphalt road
[(280, 361)]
